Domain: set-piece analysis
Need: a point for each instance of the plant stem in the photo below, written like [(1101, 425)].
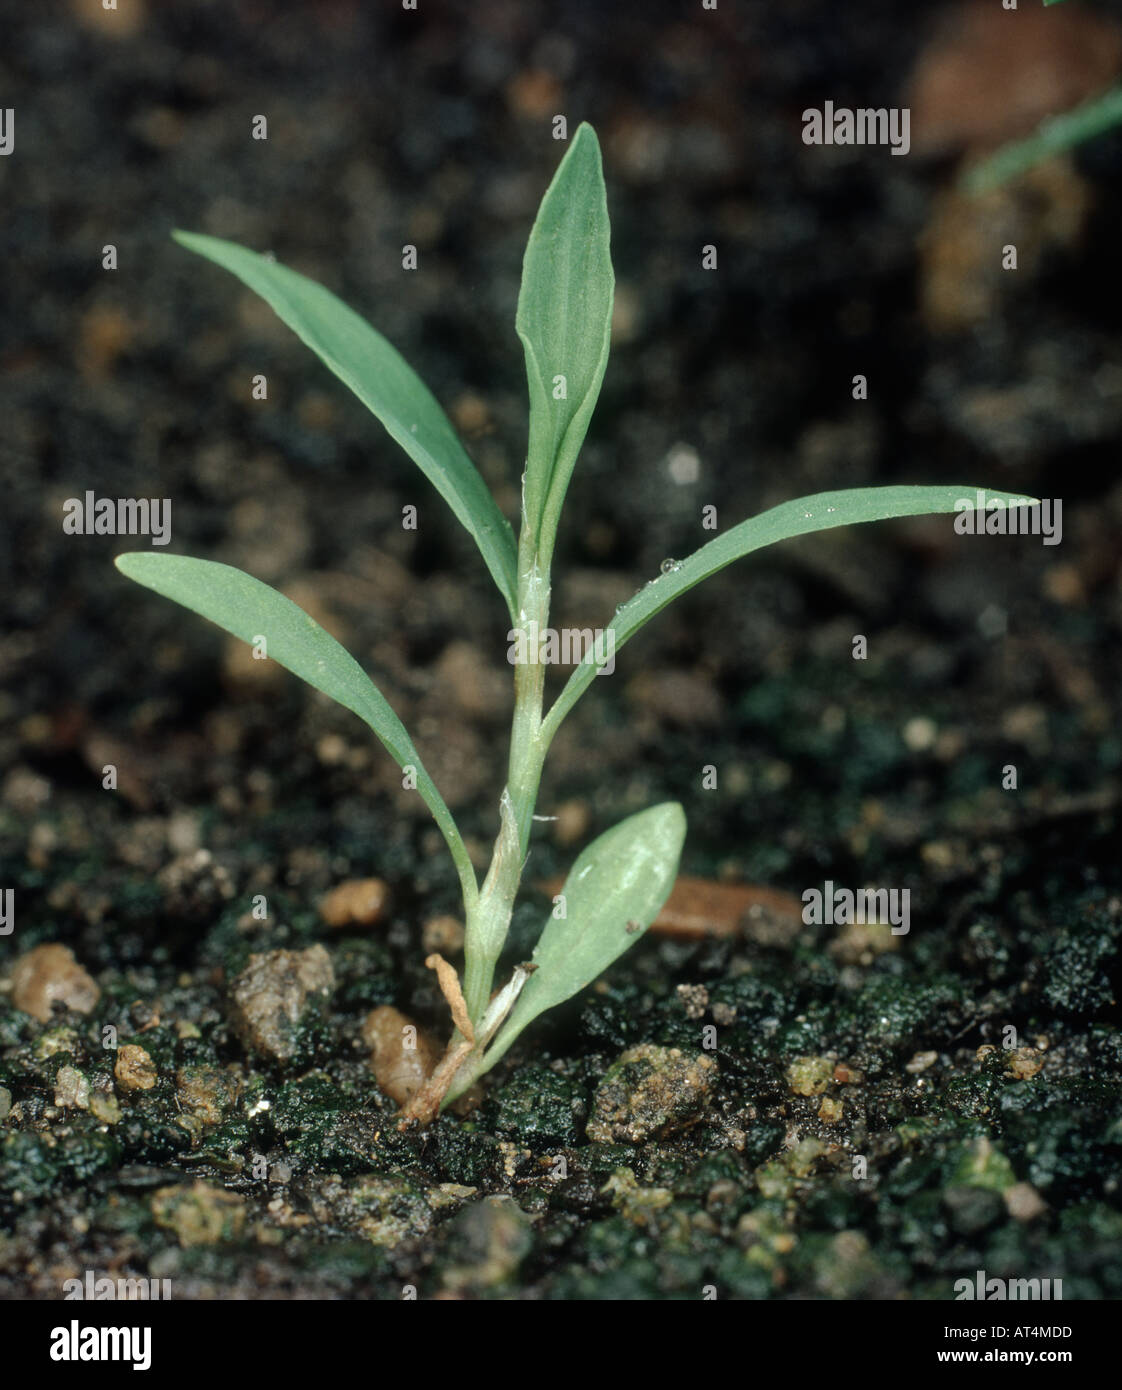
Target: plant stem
[(488, 918), (527, 749)]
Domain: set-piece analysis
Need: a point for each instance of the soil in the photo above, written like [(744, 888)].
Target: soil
[(828, 1112)]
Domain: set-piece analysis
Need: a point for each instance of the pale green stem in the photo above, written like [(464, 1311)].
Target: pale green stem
[(469, 888), (488, 918)]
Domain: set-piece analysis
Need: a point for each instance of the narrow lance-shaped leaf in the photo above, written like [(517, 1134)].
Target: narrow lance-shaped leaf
[(251, 610), (564, 320), (817, 513), (613, 893), (386, 384)]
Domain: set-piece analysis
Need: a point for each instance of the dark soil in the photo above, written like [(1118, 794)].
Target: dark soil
[(885, 1115)]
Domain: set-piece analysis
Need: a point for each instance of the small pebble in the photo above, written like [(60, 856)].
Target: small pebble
[(650, 1091), (402, 1056), (358, 902), (48, 975), (920, 734), (134, 1068), (1023, 1202), (72, 1089), (105, 1107), (830, 1111), (445, 935), (1024, 1062), (695, 1000), (200, 1214), (809, 1076), (268, 1000)]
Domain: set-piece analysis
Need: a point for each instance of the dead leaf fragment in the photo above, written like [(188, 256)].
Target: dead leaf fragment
[(450, 988)]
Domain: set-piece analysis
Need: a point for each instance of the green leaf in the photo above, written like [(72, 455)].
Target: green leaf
[(565, 321), (613, 893), (818, 513), (1053, 136), (251, 610), (386, 384)]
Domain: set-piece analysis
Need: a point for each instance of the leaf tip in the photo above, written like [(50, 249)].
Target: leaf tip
[(666, 826), (199, 242), (126, 562), (586, 138)]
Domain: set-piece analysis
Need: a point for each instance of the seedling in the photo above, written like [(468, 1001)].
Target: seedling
[(620, 881)]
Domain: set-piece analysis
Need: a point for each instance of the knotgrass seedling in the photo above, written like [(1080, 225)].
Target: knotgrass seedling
[(621, 880)]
